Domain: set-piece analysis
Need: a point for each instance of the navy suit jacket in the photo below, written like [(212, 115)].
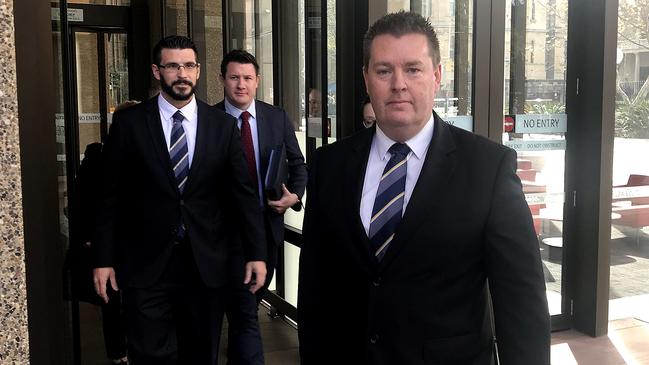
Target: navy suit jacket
[(274, 128), (142, 207), (425, 302)]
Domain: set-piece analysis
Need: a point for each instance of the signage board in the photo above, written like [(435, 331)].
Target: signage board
[(541, 123), (463, 121), (74, 15), (538, 145)]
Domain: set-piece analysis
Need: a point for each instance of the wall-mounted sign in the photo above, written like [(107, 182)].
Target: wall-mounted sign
[(463, 121), (89, 118), (538, 123), (508, 124), (542, 145), (74, 15)]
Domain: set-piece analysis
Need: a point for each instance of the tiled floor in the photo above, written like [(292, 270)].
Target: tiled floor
[(626, 343)]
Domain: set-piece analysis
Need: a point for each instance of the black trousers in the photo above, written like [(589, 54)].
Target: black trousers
[(176, 321), (244, 336)]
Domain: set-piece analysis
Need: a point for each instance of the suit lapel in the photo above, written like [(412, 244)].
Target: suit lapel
[(354, 176), (434, 176), (154, 125), (264, 135), (200, 148)]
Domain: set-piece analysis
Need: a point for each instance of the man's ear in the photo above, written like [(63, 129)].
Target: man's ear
[(156, 71)]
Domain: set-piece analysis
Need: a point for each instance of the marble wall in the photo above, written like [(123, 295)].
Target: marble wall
[(14, 340)]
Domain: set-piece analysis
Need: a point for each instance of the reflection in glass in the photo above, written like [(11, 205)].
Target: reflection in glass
[(87, 75), (453, 23), (116, 70), (628, 293), (251, 29), (101, 2), (208, 37), (535, 122), (175, 17)]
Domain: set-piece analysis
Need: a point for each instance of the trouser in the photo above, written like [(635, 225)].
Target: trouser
[(176, 321)]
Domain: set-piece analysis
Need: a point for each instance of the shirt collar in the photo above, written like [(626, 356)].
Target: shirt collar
[(417, 144), (167, 110), (236, 112)]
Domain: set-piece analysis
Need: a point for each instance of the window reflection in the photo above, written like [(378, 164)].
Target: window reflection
[(628, 295)]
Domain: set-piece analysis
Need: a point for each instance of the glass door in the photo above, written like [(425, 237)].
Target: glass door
[(100, 86), (535, 125), (629, 271)]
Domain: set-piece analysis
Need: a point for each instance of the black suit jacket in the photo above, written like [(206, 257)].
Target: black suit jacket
[(425, 303), (274, 128), (142, 207)]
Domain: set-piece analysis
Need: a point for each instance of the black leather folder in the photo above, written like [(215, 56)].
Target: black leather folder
[(276, 174)]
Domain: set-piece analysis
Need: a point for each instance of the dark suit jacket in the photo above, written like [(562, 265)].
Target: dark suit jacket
[(274, 128), (142, 207), (425, 303)]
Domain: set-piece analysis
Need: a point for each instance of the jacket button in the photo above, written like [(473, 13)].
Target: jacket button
[(374, 339), (182, 202), (377, 282)]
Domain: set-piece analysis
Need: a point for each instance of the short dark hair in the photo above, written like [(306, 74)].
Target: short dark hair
[(172, 42), (238, 56), (399, 24)]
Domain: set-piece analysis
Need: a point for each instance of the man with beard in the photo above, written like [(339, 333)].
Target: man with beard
[(175, 187)]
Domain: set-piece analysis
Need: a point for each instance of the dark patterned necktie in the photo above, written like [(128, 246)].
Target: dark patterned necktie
[(178, 151), (248, 146), (388, 205)]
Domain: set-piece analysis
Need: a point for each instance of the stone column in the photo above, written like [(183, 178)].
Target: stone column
[(14, 340)]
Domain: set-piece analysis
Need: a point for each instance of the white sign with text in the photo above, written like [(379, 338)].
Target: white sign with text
[(541, 123)]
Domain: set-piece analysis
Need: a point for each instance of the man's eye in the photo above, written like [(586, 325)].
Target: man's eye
[(413, 70)]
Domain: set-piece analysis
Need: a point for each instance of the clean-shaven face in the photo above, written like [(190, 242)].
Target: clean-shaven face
[(240, 83), (401, 81)]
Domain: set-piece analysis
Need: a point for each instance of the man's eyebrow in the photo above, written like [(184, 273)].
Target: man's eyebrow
[(383, 63), (414, 63)]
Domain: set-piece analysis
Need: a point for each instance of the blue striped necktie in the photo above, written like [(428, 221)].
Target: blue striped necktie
[(178, 151), (388, 205)]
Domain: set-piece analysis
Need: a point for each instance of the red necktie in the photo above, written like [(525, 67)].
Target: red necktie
[(248, 146)]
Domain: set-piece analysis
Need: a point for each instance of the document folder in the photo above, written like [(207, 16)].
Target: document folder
[(276, 174)]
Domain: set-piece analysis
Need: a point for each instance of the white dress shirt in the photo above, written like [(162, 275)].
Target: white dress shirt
[(236, 112), (379, 157), (190, 123)]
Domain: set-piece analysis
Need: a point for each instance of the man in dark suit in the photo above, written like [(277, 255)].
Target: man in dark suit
[(263, 128), (177, 205), (405, 224)]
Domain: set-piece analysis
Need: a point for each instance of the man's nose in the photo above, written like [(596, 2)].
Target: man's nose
[(398, 80)]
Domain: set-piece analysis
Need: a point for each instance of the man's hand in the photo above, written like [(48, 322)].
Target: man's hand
[(287, 200), (259, 269), (101, 276)]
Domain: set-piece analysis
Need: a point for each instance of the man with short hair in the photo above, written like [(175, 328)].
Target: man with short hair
[(264, 127), (177, 206), (408, 220)]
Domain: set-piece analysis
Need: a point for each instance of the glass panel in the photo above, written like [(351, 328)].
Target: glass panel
[(291, 217), (116, 72), (208, 36), (313, 72), (535, 122), (59, 120), (331, 71), (629, 292), (251, 28), (87, 75), (453, 22), (101, 2), (291, 270), (176, 17)]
